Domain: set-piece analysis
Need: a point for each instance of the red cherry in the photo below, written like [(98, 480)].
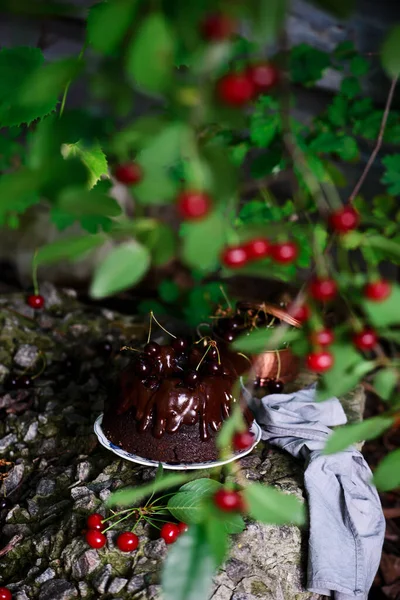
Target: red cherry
[(128, 173), (242, 441), (95, 539), (284, 253), (35, 301), (183, 528), (193, 204), (365, 340), (228, 500), (323, 337), (319, 361), (127, 541), (302, 313), (235, 256), (378, 290), (94, 521), (217, 27), (323, 289), (263, 76), (5, 593), (257, 248), (344, 220), (235, 89), (169, 532)]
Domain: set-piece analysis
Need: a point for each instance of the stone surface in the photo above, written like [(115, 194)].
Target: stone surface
[(26, 356), (58, 474)]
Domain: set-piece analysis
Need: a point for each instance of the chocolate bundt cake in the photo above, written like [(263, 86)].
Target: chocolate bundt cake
[(171, 401)]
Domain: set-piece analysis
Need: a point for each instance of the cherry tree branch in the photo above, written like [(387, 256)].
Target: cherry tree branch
[(379, 141)]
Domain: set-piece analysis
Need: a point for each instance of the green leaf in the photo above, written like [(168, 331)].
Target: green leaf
[(16, 66), (390, 53), (186, 507), (345, 50), (382, 314), (230, 427), (346, 436), (79, 202), (359, 66), (43, 86), (259, 340), (350, 87), (165, 147), (92, 157), (387, 474), (339, 8), (17, 191), (158, 238), (150, 58), (268, 505), (338, 111), (129, 496), (391, 176), (348, 148), (389, 249), (217, 537), (203, 242), (108, 22), (189, 568), (307, 64), (203, 486), (168, 291), (385, 382), (156, 188), (123, 267), (71, 248), (269, 16), (265, 122)]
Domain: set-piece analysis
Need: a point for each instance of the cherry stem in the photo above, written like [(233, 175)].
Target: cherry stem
[(137, 523), (159, 324), (278, 357), (34, 273), (203, 357), (129, 348), (44, 365), (119, 521), (244, 356), (225, 295), (150, 324)]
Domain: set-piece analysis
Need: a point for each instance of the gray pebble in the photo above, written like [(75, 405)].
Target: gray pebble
[(26, 356)]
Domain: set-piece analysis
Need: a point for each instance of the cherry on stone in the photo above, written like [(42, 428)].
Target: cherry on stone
[(127, 541), (377, 291), (95, 538), (183, 528), (217, 27), (322, 337), (169, 532), (128, 173), (95, 521), (235, 257), (228, 500), (16, 383), (344, 220), (264, 76), (365, 340), (191, 378), (35, 301), (153, 349), (235, 89), (242, 440), (323, 289), (319, 362), (193, 204), (257, 248), (275, 386), (284, 252), (5, 594)]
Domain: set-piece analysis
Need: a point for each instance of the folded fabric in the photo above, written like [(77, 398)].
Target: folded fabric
[(345, 515)]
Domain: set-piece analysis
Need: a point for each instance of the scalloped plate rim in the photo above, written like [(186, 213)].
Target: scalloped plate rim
[(104, 441)]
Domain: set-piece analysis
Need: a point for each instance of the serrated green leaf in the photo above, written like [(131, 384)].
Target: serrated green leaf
[(123, 267), (391, 176), (186, 507), (72, 248), (350, 87), (338, 111), (307, 64), (343, 437), (43, 86), (387, 474), (382, 314), (130, 495), (259, 340), (108, 22), (189, 568), (92, 157), (385, 382), (150, 57), (203, 242), (16, 66), (79, 203), (268, 505), (390, 53), (359, 66)]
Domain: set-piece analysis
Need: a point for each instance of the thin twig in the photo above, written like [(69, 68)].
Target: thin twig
[(379, 141), (11, 544)]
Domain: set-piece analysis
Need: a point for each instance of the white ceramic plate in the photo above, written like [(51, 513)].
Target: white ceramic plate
[(255, 429)]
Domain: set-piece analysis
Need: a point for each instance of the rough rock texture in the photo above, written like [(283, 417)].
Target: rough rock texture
[(59, 473)]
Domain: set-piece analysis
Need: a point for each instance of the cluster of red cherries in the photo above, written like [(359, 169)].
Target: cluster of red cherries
[(127, 541)]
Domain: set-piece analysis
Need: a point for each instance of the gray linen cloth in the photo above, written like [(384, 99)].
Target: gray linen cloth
[(346, 522)]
